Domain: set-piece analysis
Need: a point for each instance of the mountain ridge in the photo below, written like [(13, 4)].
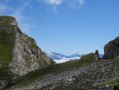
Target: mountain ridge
[(61, 58)]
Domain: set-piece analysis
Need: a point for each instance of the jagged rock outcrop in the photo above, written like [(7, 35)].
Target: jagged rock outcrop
[(19, 53), (96, 55), (111, 50)]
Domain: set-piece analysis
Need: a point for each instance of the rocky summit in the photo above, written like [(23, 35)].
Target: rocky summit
[(19, 53), (111, 50)]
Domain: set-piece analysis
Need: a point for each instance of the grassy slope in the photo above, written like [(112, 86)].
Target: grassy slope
[(114, 83), (57, 68), (6, 46)]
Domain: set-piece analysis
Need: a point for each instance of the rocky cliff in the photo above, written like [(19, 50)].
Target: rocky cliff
[(111, 50), (19, 53)]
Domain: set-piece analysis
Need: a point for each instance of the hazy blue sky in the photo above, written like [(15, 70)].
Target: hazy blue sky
[(66, 26)]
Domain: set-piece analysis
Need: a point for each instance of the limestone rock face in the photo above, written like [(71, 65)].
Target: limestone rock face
[(111, 50), (26, 55), (19, 53)]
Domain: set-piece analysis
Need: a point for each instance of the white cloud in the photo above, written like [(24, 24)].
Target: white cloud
[(18, 13), (52, 2), (23, 6), (62, 60), (75, 4), (81, 2), (70, 3), (3, 8)]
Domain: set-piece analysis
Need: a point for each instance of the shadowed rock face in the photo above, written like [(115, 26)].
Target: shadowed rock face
[(111, 50), (19, 52)]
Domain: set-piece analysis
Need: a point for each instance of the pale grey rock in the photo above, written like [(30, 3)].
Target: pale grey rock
[(24, 55), (27, 56)]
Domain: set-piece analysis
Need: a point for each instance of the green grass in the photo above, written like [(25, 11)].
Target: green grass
[(6, 20), (7, 39), (6, 46), (5, 74), (84, 61), (113, 83), (57, 68), (32, 42)]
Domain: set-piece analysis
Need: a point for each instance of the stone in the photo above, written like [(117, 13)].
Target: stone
[(96, 55), (111, 50), (19, 53)]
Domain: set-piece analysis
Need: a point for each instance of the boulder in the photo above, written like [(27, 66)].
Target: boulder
[(111, 50)]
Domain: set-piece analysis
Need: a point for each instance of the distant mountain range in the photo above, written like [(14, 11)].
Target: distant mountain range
[(60, 58)]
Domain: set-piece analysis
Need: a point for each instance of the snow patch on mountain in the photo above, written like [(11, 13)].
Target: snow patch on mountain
[(60, 58)]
